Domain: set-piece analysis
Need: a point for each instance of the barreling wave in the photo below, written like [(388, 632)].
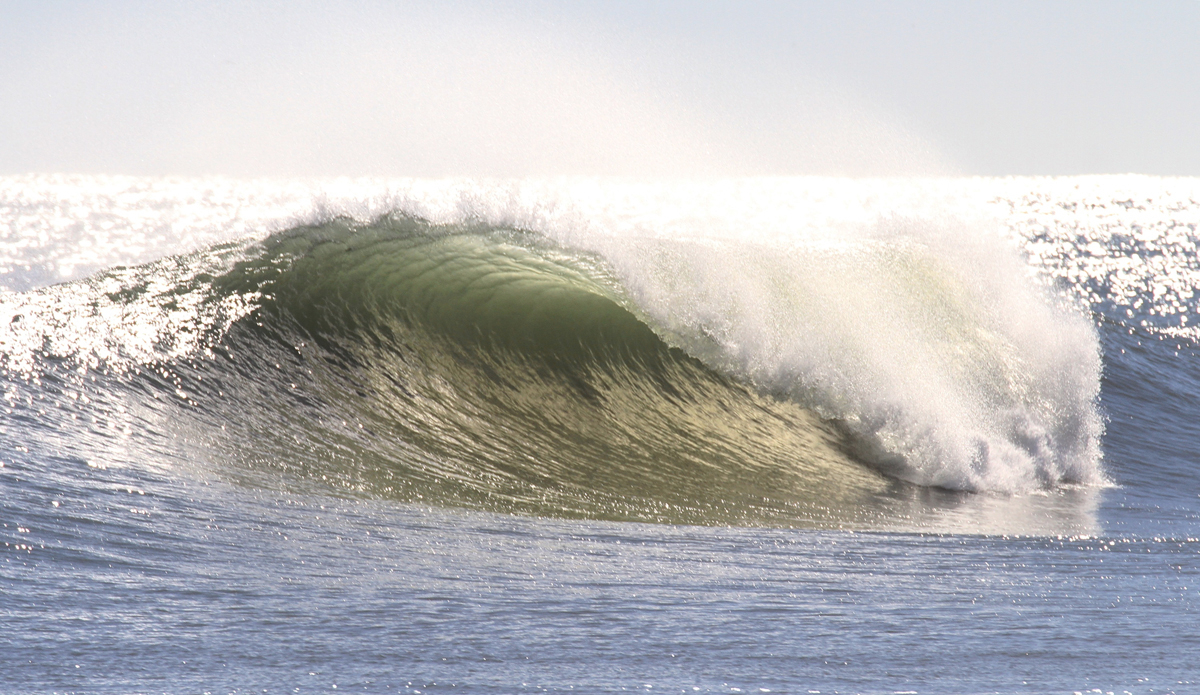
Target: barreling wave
[(489, 368), (684, 379)]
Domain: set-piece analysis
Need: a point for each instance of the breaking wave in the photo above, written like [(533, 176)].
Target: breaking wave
[(691, 376)]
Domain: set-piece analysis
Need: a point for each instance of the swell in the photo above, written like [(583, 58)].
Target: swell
[(660, 380)]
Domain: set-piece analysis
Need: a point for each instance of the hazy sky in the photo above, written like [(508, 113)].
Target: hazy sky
[(641, 88)]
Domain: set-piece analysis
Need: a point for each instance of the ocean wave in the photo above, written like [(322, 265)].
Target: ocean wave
[(682, 377)]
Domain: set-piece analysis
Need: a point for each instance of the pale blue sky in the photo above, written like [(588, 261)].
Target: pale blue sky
[(666, 88)]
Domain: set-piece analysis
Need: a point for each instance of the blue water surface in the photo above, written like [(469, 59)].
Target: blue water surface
[(144, 579)]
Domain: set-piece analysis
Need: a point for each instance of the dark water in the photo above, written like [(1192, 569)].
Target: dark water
[(398, 458)]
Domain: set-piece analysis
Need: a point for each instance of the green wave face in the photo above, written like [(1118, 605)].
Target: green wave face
[(479, 368)]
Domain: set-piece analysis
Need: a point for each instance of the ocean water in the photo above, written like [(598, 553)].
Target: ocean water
[(797, 435)]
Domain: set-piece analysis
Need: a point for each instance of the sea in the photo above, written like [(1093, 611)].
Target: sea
[(599, 435)]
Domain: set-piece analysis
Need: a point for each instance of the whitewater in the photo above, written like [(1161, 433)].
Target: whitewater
[(599, 435)]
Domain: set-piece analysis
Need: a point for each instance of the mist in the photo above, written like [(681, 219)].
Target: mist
[(414, 89)]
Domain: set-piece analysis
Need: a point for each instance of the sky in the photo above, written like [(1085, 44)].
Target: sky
[(673, 88)]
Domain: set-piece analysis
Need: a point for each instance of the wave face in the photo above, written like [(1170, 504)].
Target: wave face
[(724, 364)]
